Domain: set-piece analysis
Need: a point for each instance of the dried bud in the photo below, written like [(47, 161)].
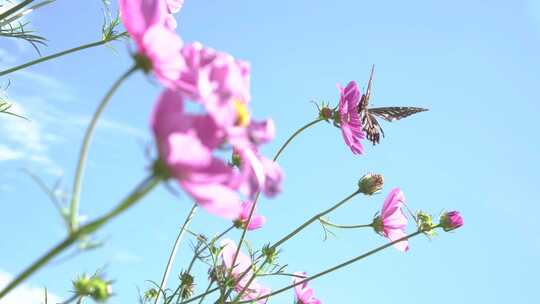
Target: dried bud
[(270, 253), (94, 287), (370, 184), (187, 285), (451, 220)]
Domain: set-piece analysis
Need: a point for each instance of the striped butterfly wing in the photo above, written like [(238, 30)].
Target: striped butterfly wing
[(372, 127), (395, 113)]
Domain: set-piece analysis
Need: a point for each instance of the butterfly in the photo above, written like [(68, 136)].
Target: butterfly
[(370, 124)]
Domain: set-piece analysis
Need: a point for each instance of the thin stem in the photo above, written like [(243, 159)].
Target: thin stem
[(327, 271), (313, 219), (325, 222), (206, 292), (14, 9), (62, 53), (203, 295), (197, 253), (281, 149), (294, 135), (174, 251), (290, 235), (74, 204), (139, 192)]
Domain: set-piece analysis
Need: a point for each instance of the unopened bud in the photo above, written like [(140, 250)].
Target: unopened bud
[(270, 253), (150, 294), (451, 220), (94, 287), (326, 113), (370, 184)]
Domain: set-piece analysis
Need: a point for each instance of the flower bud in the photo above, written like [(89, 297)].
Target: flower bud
[(451, 220), (150, 294), (326, 113), (270, 253), (370, 184), (95, 287)]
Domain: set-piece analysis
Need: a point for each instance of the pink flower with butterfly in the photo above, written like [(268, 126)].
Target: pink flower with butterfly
[(158, 46), (242, 265), (349, 118), (303, 293), (391, 223)]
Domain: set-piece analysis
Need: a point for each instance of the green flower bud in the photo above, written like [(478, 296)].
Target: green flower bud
[(94, 287)]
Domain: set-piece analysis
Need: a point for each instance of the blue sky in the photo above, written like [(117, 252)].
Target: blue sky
[(474, 64)]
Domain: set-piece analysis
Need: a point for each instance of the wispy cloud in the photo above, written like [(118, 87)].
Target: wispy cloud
[(127, 257), (25, 294)]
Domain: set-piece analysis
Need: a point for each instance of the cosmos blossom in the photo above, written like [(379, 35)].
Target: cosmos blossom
[(242, 264), (257, 221), (158, 46), (303, 293), (186, 144), (349, 118), (391, 223)]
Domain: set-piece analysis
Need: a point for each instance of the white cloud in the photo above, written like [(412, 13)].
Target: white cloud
[(25, 294), (6, 153)]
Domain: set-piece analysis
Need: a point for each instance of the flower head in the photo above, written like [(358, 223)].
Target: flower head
[(186, 144), (257, 221), (370, 184), (349, 118), (391, 223), (451, 220), (304, 294), (158, 45), (241, 266)]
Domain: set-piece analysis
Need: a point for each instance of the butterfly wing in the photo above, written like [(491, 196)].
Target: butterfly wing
[(372, 127), (364, 101), (395, 113)]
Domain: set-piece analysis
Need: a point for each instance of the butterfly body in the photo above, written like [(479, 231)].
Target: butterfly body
[(370, 124)]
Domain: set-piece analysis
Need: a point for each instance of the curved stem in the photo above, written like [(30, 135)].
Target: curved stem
[(62, 53), (281, 149), (139, 192), (327, 271), (290, 139), (325, 222), (174, 250), (15, 8), (74, 204)]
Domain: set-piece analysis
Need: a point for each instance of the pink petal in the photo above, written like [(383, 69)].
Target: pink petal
[(396, 234)]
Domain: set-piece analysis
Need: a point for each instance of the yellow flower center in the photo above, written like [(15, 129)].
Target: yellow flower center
[(242, 113)]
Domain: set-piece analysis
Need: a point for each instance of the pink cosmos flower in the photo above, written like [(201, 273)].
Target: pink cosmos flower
[(304, 294), (219, 82), (243, 263), (257, 221), (186, 143), (391, 223), (351, 125), (451, 220), (158, 45)]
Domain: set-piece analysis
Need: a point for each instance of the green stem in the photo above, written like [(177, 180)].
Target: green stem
[(203, 295), (141, 190), (74, 204), (346, 263), (206, 292), (62, 53), (325, 222), (313, 219), (14, 9), (281, 149), (294, 135), (174, 251), (290, 235)]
